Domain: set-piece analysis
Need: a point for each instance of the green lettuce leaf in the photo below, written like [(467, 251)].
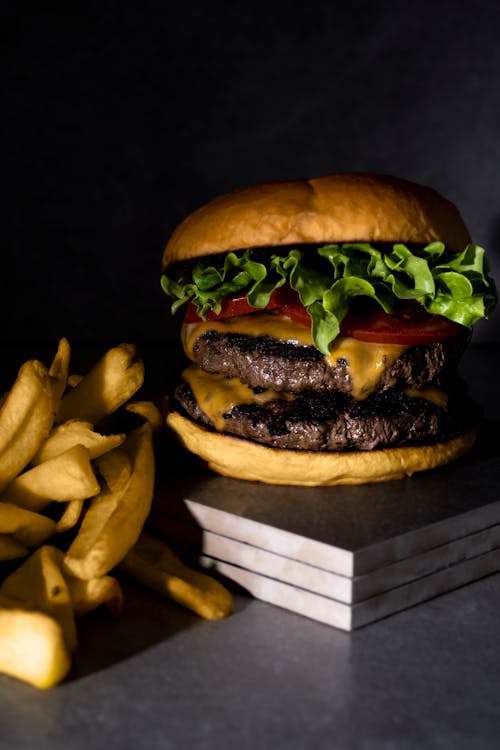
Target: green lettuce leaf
[(457, 286)]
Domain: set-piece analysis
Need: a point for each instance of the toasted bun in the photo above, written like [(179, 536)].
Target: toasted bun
[(337, 208), (242, 459)]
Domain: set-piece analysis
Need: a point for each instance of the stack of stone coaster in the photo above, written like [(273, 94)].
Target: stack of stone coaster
[(345, 556)]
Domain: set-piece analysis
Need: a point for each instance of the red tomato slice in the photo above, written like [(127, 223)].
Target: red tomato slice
[(409, 325), (284, 299), (298, 313), (231, 308), (379, 327), (288, 302)]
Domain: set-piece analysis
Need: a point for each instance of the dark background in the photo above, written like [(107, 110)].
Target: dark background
[(120, 118)]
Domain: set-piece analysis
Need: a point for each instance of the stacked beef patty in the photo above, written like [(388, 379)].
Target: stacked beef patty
[(418, 399)]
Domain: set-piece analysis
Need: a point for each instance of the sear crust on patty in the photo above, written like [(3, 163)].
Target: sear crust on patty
[(336, 422), (264, 362)]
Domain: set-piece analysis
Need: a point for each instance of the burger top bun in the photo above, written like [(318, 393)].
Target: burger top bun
[(353, 207)]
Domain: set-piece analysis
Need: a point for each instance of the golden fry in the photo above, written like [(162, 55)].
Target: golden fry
[(88, 595), (110, 383), (11, 549), (74, 379), (76, 432), (67, 477), (115, 468), (70, 516), (58, 371), (38, 584), (148, 411), (154, 564), (114, 519), (28, 528), (26, 417), (32, 648)]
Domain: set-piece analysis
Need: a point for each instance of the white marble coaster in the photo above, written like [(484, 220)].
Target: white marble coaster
[(342, 555), (350, 531), (349, 617), (347, 589)]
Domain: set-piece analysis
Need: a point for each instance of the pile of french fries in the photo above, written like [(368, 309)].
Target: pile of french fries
[(73, 501)]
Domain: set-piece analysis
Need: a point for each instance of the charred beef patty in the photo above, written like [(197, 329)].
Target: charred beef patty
[(335, 421), (264, 362)]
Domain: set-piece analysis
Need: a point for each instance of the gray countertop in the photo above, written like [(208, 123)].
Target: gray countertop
[(266, 678), (159, 677)]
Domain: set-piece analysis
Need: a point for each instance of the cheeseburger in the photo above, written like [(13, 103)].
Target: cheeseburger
[(324, 321)]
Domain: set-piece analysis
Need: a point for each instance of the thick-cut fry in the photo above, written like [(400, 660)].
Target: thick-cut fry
[(11, 549), (70, 516), (26, 417), (148, 411), (75, 432), (115, 468), (154, 564), (38, 584), (28, 528), (114, 519), (67, 477), (110, 383), (32, 648), (106, 502), (74, 379), (58, 371), (88, 595)]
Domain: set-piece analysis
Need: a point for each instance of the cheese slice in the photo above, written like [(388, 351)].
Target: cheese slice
[(257, 324), (364, 362), (217, 395), (435, 395)]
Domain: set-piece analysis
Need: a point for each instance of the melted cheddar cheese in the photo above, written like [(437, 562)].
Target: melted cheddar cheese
[(365, 362), (434, 395), (217, 395)]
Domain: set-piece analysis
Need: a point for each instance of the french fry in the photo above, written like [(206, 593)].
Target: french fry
[(11, 549), (114, 520), (115, 468), (154, 564), (26, 417), (74, 379), (58, 371), (75, 432), (110, 383), (28, 528), (32, 648), (38, 584), (67, 477), (148, 411), (70, 516), (41, 464), (88, 595)]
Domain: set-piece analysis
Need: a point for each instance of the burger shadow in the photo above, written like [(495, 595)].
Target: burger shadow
[(148, 619)]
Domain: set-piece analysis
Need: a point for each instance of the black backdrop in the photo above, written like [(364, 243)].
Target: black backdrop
[(119, 118)]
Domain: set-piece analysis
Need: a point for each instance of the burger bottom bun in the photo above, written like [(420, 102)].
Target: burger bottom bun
[(241, 459)]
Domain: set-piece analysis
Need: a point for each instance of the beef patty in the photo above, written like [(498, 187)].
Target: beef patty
[(335, 421), (264, 362)]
